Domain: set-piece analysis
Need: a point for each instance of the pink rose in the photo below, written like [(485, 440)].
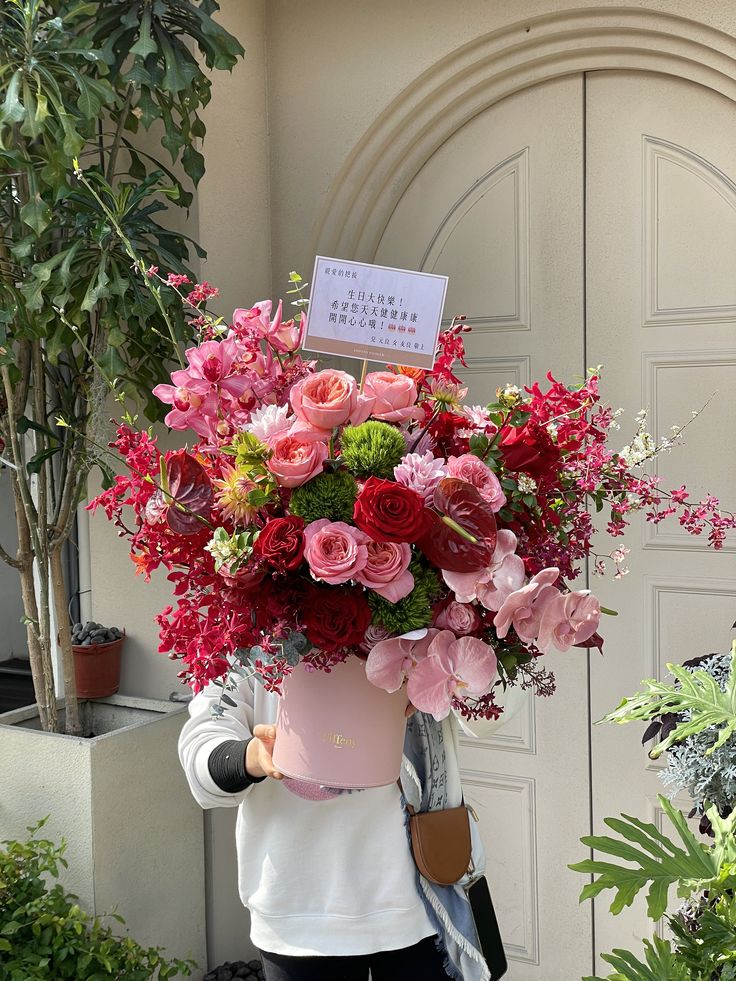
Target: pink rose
[(328, 399), (335, 552), (524, 608), (469, 467), (386, 571), (493, 585), (296, 458), (569, 619), (460, 618), (395, 396)]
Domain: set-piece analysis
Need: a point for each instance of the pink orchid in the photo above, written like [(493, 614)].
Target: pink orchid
[(494, 584), (390, 661), (569, 619), (453, 667), (523, 609)]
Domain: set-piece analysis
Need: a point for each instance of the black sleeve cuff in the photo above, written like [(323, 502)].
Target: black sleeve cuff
[(226, 764)]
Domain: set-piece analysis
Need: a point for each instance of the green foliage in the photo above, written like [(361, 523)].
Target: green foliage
[(372, 449), (662, 964), (696, 693), (705, 935), (45, 934), (658, 861), (328, 495), (413, 611)]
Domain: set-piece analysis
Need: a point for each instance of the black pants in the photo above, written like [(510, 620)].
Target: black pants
[(422, 961)]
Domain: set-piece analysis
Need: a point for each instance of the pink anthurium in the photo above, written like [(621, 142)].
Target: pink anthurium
[(454, 666)]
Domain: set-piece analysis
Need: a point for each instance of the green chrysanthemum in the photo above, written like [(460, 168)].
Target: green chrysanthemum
[(413, 611), (372, 449), (329, 495)]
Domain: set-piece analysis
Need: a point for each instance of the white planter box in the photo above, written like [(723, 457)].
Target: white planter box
[(120, 799)]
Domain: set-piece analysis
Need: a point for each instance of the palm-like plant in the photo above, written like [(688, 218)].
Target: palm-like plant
[(78, 79)]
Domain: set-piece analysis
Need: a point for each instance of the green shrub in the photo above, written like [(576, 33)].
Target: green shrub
[(44, 933)]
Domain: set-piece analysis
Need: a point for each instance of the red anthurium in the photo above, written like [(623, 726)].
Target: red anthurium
[(462, 537), (190, 488)]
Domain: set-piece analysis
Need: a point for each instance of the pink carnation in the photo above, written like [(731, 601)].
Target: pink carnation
[(386, 571), (335, 552), (476, 472), (395, 396)]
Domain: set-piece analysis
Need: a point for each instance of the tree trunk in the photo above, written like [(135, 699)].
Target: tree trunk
[(42, 670), (73, 725)]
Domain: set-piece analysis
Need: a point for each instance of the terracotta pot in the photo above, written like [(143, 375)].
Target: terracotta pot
[(337, 729), (97, 668)]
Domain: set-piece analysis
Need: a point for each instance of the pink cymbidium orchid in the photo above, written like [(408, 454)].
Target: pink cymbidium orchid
[(453, 667)]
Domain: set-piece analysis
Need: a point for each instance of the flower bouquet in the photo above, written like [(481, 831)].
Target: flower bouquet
[(319, 521)]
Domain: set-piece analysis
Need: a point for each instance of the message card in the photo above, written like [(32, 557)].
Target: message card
[(374, 313)]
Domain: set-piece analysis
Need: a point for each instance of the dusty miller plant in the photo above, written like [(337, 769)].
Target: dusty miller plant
[(82, 79)]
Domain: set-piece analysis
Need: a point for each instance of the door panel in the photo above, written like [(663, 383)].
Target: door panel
[(499, 209), (661, 311)]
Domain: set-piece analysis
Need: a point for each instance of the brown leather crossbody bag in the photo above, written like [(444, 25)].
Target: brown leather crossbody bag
[(440, 843)]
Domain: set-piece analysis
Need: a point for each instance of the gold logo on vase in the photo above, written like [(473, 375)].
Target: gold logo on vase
[(338, 740)]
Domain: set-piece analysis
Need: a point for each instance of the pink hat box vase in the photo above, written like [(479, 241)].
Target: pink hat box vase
[(336, 729)]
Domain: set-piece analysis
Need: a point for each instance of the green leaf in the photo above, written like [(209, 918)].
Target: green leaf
[(145, 45), (36, 214), (694, 692), (193, 163), (12, 110), (658, 862), (662, 964)]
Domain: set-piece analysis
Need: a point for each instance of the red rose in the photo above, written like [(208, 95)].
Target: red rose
[(390, 512), (528, 448), (281, 543), (336, 617)]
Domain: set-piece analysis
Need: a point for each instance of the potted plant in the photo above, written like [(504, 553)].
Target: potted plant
[(695, 718), (77, 326), (75, 321), (97, 652), (44, 933)]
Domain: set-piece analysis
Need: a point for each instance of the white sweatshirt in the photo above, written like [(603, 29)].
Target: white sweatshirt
[(332, 877)]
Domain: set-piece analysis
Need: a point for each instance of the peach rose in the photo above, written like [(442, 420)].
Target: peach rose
[(328, 399), (469, 467), (460, 618), (387, 570), (395, 396), (296, 458)]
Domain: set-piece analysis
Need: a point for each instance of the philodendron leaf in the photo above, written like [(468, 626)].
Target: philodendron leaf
[(694, 692), (657, 862), (662, 964)]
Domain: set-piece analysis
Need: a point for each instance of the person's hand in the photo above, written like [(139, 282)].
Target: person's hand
[(258, 762), (410, 710)]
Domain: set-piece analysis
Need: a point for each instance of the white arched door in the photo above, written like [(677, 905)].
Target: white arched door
[(591, 219)]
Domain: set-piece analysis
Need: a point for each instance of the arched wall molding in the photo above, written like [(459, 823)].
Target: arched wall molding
[(493, 67)]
